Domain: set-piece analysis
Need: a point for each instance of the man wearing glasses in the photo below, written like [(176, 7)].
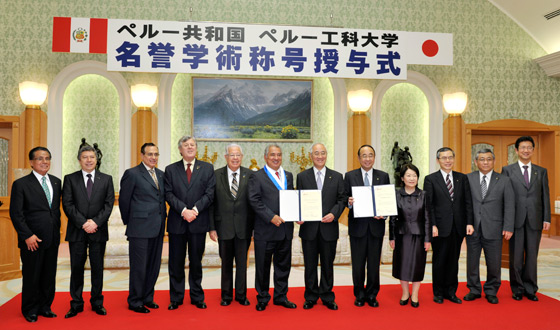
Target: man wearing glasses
[(532, 216), (35, 214)]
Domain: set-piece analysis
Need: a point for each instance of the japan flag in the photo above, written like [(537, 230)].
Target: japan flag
[(79, 35), (429, 48)]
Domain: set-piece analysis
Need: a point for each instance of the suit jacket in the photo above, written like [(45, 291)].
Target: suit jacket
[(531, 203), (358, 227), (334, 201), (30, 211), (496, 212), (180, 194), (141, 203), (265, 201), (79, 208), (232, 217), (445, 212), (413, 215)]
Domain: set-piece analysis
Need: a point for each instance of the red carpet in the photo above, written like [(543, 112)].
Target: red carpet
[(508, 314)]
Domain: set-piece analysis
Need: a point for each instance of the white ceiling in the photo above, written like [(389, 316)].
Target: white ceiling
[(529, 14)]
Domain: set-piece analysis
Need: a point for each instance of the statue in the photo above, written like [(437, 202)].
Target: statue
[(254, 166), (99, 155), (399, 157), (395, 154)]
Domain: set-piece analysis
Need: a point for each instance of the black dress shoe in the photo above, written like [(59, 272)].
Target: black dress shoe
[(48, 314), (438, 299), (151, 305), (531, 297), (286, 304), (471, 296), (139, 309), (373, 302), (492, 299), (225, 302), (517, 296), (414, 304), (73, 312), (99, 310), (31, 318), (244, 301), (199, 304), (261, 306), (404, 302), (308, 304), (455, 299), (330, 305), (174, 305), (359, 302)]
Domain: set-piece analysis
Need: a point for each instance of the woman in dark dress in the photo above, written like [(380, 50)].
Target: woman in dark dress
[(410, 235)]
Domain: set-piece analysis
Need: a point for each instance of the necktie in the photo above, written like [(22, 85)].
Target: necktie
[(449, 186), (89, 186), (483, 186), (154, 177), (319, 182), (189, 173), (234, 185), (46, 190), (278, 175), (526, 175), (366, 181)]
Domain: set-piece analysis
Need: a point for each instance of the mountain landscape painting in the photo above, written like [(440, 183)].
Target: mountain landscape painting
[(252, 109)]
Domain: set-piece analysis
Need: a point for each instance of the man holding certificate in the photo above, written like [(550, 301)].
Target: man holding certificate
[(366, 234), (319, 237), (273, 236)]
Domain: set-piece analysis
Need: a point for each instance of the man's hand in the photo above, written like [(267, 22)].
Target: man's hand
[(33, 243), (277, 221), (213, 235), (546, 226), (470, 229), (189, 215), (90, 226), (434, 231), (507, 234), (350, 201), (328, 218), (392, 244), (427, 246)]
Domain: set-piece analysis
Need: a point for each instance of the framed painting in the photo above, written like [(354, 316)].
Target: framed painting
[(252, 109)]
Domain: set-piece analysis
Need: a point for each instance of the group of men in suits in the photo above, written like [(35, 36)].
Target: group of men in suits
[(233, 204)]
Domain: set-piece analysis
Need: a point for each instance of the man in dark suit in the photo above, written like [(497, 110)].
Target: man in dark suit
[(366, 234), (319, 238), (451, 214), (143, 211), (273, 236), (231, 224), (532, 216), (87, 198), (35, 214), (494, 212), (189, 190)]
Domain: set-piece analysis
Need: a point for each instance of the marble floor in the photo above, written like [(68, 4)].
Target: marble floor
[(117, 279)]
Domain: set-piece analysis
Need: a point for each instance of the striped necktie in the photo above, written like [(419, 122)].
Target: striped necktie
[(46, 190), (449, 186), (319, 182), (483, 186), (234, 185)]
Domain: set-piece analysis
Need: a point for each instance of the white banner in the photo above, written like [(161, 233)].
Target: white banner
[(248, 49)]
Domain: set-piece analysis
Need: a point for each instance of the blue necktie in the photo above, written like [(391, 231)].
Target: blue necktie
[(366, 181)]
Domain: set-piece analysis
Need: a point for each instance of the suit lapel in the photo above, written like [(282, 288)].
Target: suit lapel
[(534, 174), (79, 180), (518, 174), (96, 184), (492, 182), (442, 185), (243, 183), (225, 182), (146, 175), (55, 188), (476, 189)]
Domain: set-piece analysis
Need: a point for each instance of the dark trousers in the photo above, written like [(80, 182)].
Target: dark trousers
[(312, 251), (39, 279), (230, 249), (178, 246), (78, 255), (445, 264), (145, 263), (366, 254), (523, 252), (264, 253), (493, 256)]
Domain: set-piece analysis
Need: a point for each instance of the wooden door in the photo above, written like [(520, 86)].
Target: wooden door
[(504, 150)]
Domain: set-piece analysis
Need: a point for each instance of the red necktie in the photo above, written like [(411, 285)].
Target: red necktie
[(189, 173), (278, 175)]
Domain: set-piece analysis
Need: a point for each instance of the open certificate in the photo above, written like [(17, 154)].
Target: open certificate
[(374, 201), (301, 205)]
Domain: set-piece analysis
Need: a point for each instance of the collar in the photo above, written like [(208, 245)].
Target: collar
[(84, 174), (147, 167), (192, 163), (230, 172), (488, 175), (323, 171), (521, 166), (40, 177)]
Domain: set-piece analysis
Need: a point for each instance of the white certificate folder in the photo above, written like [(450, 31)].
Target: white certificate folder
[(374, 201), (301, 205)]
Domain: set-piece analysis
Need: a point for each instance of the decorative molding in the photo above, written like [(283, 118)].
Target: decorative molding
[(550, 64), (55, 110)]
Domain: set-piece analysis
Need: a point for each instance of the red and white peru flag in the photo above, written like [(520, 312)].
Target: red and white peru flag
[(79, 35)]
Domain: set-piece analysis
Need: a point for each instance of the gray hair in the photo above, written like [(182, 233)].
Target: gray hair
[(314, 144), (184, 139), (86, 148), (485, 151), (270, 146), (444, 149), (232, 145)]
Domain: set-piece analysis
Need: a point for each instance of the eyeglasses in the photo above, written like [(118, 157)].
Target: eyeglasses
[(371, 156), (525, 148), (322, 153), (40, 159), (235, 155), (152, 154), (446, 158)]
